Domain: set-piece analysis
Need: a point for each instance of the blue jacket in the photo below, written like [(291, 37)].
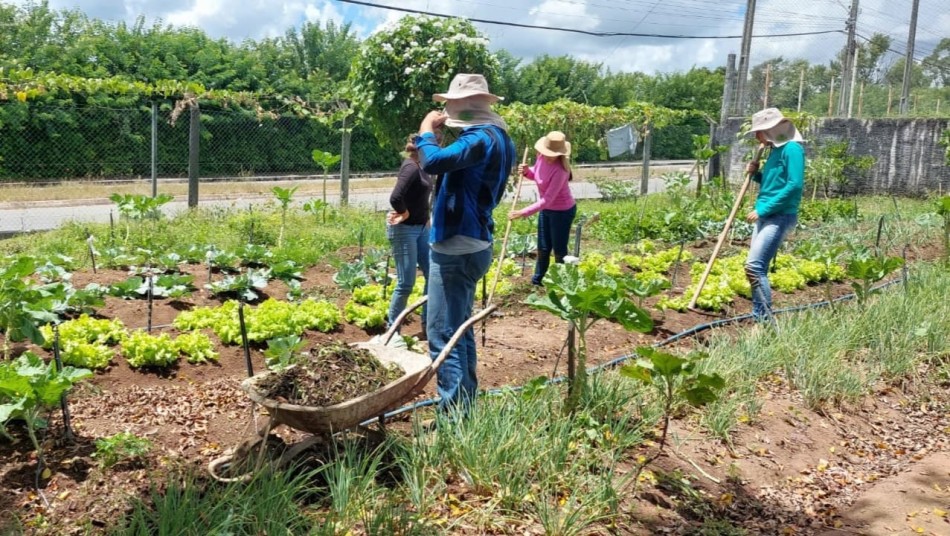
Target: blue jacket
[(782, 179), (474, 170)]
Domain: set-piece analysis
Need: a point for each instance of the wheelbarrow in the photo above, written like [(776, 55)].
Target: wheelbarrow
[(325, 421)]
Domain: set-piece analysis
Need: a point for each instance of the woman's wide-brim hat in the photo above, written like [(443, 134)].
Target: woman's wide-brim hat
[(777, 128), (466, 85), (554, 144)]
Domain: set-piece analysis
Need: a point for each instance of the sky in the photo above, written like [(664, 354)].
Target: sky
[(256, 19)]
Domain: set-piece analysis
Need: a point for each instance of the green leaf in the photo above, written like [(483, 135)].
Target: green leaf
[(12, 410), (637, 372), (700, 395)]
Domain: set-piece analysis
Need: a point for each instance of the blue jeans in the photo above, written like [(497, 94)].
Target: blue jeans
[(554, 232), (766, 239), (410, 249), (452, 281)]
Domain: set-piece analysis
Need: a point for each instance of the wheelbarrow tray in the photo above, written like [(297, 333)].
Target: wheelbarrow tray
[(338, 417)]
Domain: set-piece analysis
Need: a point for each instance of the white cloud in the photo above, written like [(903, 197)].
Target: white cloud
[(254, 19)]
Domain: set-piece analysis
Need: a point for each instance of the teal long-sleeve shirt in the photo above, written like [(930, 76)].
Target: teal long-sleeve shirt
[(782, 180)]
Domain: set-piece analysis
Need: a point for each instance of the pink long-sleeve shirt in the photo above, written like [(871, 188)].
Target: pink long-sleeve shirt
[(554, 191)]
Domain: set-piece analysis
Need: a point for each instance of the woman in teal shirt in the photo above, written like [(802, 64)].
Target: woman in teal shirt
[(776, 207)]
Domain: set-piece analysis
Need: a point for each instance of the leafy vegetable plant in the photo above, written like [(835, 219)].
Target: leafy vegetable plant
[(22, 304), (326, 161), (196, 347), (869, 270), (28, 386), (124, 446), (581, 298), (284, 197), (943, 209), (244, 285), (283, 351), (143, 350)]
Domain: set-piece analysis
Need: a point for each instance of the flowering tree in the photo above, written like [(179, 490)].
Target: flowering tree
[(399, 68)]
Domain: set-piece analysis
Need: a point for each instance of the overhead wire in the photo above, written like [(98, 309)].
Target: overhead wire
[(576, 30)]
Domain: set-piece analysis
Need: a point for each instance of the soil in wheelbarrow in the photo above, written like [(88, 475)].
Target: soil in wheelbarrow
[(334, 373)]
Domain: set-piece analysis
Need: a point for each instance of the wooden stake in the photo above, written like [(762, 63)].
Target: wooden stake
[(831, 96), (861, 99), (801, 86), (504, 243), (768, 81), (890, 98), (725, 229)]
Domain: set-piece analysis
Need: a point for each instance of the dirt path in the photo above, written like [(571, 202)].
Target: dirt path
[(913, 502)]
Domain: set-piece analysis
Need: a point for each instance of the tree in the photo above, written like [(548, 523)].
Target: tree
[(619, 89), (398, 70), (508, 80), (784, 78), (326, 51), (895, 75), (550, 78), (697, 89), (937, 64)]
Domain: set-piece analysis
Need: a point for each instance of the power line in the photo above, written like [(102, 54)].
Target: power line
[(574, 30)]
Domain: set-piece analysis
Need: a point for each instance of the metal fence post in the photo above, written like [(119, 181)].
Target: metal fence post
[(647, 144), (194, 133), (154, 149), (345, 165)]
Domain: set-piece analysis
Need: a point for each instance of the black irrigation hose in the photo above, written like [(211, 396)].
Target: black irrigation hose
[(669, 340)]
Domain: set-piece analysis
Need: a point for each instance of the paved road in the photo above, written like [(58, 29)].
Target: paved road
[(48, 215)]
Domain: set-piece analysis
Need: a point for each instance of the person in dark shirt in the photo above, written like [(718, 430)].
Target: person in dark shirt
[(407, 227)]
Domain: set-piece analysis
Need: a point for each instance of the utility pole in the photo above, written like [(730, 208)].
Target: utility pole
[(741, 89), (847, 66), (854, 78), (909, 60), (801, 86), (728, 93)]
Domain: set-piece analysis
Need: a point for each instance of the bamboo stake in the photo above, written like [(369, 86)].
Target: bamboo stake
[(725, 229), (504, 243)]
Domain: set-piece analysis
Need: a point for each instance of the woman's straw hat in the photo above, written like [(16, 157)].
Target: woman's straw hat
[(554, 144)]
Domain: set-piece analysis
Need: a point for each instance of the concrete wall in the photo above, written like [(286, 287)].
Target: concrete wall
[(908, 159)]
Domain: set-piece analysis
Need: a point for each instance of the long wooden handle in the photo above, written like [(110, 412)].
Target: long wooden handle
[(504, 242), (458, 334), (725, 230)]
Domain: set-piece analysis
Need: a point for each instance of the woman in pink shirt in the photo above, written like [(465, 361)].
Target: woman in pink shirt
[(552, 173)]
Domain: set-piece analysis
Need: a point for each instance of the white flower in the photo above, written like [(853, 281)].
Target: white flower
[(387, 48), (416, 29), (408, 70), (390, 96), (440, 55), (413, 43)]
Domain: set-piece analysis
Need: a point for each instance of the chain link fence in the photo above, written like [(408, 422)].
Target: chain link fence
[(56, 143)]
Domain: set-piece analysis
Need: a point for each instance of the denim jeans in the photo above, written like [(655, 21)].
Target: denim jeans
[(452, 281), (410, 249), (766, 239), (554, 232)]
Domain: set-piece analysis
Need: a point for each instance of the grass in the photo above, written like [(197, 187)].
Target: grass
[(518, 462), (836, 357)]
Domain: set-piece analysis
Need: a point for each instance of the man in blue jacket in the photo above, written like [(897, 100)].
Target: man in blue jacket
[(473, 172)]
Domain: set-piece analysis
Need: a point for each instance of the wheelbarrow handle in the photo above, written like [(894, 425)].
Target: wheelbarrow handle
[(401, 318), (460, 332)]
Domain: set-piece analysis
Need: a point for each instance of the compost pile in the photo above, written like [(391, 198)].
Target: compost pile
[(336, 373)]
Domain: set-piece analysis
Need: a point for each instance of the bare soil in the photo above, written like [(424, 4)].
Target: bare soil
[(875, 469)]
